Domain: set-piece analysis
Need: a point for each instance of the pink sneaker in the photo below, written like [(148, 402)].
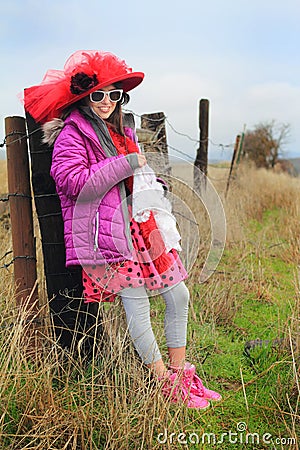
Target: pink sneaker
[(199, 389), (177, 387)]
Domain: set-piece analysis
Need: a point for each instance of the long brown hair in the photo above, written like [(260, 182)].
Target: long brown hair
[(116, 118)]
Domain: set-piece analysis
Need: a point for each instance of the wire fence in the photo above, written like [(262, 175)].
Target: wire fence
[(6, 265), (165, 118), (20, 135), (179, 133)]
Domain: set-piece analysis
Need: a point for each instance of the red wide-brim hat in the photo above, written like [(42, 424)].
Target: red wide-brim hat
[(84, 72)]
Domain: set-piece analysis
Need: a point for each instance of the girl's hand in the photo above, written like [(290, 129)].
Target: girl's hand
[(141, 160)]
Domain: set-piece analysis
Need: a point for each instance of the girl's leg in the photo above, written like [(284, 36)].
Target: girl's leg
[(176, 318), (137, 308), (177, 357)]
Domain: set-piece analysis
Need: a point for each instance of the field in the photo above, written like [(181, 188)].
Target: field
[(243, 337)]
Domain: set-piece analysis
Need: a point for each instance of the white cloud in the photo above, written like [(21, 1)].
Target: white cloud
[(280, 101)]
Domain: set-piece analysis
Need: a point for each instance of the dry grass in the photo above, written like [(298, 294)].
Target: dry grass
[(53, 401), (3, 176)]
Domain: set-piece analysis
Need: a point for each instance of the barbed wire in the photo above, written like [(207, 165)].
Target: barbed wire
[(181, 152), (164, 117), (15, 194), (6, 265), (196, 141), (5, 254), (193, 159), (23, 136)]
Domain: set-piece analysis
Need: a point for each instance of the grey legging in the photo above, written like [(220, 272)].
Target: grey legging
[(137, 308)]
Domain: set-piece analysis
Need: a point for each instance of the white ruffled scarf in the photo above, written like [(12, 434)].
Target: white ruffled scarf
[(148, 195)]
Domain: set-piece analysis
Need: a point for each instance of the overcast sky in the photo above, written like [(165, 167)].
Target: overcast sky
[(241, 55)]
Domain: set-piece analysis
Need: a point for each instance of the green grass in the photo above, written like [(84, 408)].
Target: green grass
[(258, 387), (111, 404)]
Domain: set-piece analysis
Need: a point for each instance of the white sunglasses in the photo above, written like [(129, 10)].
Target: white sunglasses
[(114, 96)]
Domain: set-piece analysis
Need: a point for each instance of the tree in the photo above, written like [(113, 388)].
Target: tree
[(265, 143)]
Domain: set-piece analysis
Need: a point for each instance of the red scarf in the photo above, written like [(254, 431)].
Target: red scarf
[(124, 146)]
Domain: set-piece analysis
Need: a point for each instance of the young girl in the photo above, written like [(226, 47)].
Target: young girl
[(95, 164)]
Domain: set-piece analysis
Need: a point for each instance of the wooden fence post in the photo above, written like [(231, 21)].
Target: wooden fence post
[(240, 148), (233, 160), (201, 161), (20, 204), (74, 321), (155, 122)]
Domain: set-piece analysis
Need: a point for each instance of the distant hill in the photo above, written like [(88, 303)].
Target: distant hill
[(296, 164), (290, 165)]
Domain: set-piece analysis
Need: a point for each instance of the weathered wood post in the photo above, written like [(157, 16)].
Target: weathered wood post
[(74, 322), (233, 160), (201, 161), (155, 122), (23, 241), (240, 152)]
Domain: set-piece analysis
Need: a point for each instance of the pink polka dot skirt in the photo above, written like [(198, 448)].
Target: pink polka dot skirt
[(150, 267)]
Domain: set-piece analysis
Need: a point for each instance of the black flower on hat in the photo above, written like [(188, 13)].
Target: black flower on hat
[(81, 82)]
